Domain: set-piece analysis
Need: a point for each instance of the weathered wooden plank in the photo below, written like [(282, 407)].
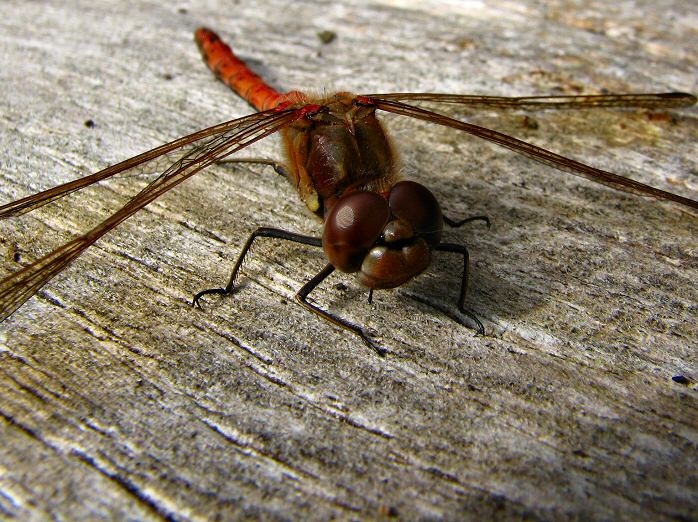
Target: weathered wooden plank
[(119, 400)]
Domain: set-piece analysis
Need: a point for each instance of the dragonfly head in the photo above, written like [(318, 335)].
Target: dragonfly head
[(387, 239)]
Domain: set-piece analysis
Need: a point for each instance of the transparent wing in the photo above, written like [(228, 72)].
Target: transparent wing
[(532, 151), (662, 100), (148, 162), (201, 150)]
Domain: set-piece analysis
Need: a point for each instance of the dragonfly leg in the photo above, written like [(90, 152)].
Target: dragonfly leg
[(460, 249), (260, 232), (459, 223), (310, 286), (277, 166)]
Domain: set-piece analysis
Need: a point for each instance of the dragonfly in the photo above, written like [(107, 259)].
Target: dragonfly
[(344, 167)]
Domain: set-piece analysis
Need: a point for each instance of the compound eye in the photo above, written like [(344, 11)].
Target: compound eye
[(415, 204), (352, 226)]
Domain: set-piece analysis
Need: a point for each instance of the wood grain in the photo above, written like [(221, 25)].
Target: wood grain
[(121, 401)]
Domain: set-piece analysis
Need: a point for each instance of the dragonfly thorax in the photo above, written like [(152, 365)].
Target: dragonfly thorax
[(338, 150)]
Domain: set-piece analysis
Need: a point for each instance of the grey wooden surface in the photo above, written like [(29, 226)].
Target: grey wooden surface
[(120, 401)]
